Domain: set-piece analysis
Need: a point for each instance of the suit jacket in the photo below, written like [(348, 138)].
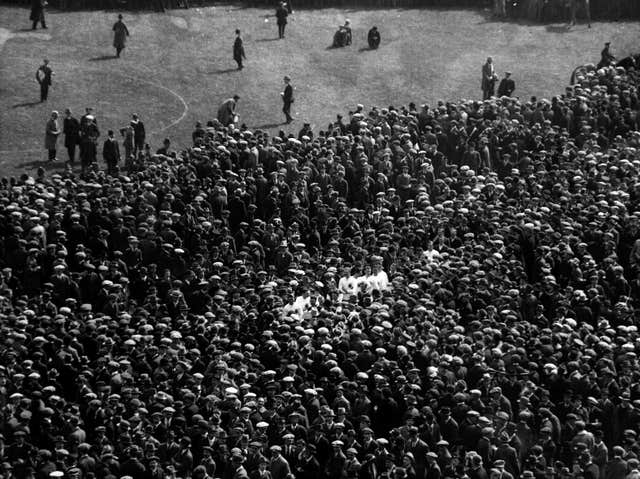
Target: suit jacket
[(506, 87), (111, 151), (616, 469), (510, 457), (71, 130), (139, 133), (279, 468), (287, 96), (51, 135), (44, 74), (281, 15), (488, 72), (238, 49), (37, 7)]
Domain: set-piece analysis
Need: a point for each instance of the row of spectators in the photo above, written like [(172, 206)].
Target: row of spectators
[(535, 10), (447, 291)]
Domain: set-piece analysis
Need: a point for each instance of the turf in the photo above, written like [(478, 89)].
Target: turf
[(178, 66)]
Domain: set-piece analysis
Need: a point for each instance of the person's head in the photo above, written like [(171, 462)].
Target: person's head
[(54, 114), (110, 133), (287, 79), (119, 16), (507, 74), (237, 31), (67, 111), (236, 97), (489, 60), (46, 61)]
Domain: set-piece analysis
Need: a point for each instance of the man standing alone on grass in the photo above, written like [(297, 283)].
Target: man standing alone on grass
[(287, 99), (43, 77), (37, 13), (238, 50), (51, 136), (120, 34), (281, 15), (71, 130)]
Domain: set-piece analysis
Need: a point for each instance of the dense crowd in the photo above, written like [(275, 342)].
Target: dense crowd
[(413, 292)]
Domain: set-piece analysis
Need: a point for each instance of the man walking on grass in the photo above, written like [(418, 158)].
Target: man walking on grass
[(120, 34), (238, 50)]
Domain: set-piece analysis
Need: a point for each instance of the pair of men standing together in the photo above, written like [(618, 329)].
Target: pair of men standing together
[(489, 79), (227, 111)]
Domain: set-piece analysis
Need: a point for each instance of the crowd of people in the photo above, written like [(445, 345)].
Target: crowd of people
[(535, 10), (446, 291)]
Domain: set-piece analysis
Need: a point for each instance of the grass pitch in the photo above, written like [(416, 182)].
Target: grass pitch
[(178, 66)]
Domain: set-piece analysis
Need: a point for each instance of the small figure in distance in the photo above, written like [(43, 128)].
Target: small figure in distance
[(373, 38), (281, 14), (37, 13), (238, 50), (120, 34), (287, 99), (44, 76)]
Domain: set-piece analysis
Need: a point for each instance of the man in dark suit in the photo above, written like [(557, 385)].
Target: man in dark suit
[(111, 153), (419, 449), (281, 16), (238, 50), (37, 13), (43, 76), (507, 85), (488, 79), (287, 99), (71, 130), (139, 133), (279, 467)]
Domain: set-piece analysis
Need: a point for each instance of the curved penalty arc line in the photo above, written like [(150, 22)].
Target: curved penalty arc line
[(185, 108)]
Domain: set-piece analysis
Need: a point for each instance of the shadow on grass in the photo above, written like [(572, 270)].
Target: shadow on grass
[(42, 163), (261, 40), (223, 71), (366, 49), (558, 28), (26, 104), (103, 58), (269, 125)]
